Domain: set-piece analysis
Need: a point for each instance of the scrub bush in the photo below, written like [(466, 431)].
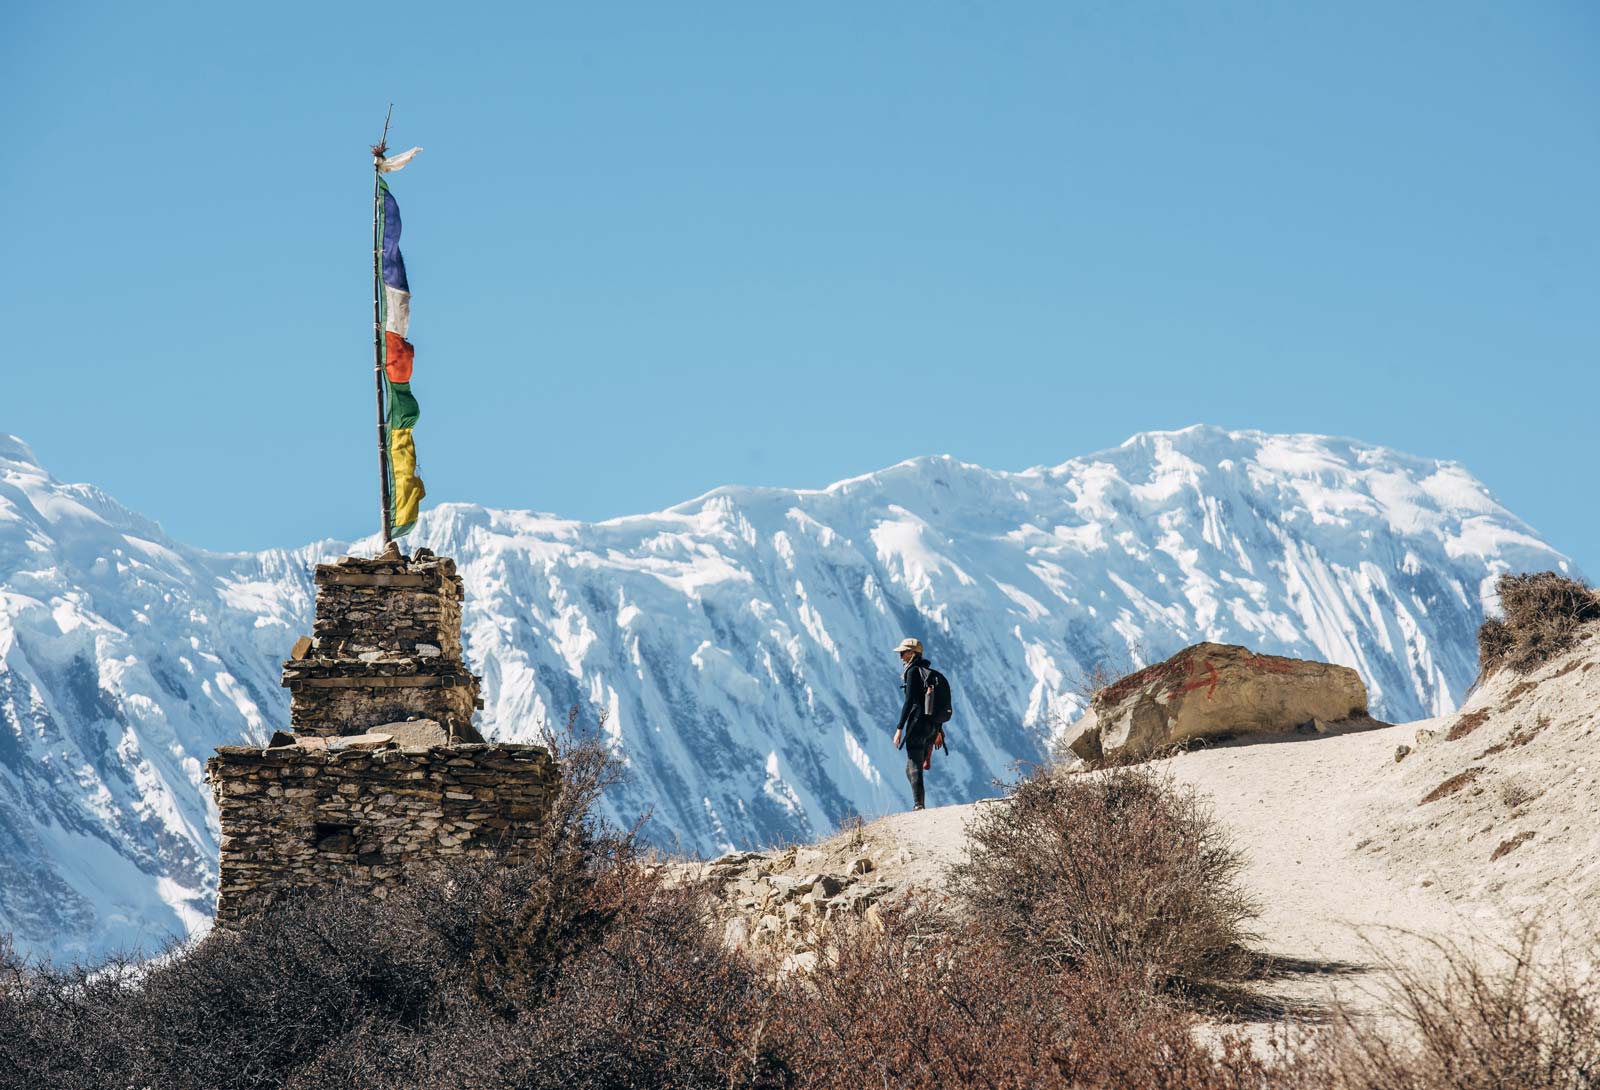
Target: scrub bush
[(1544, 614), (1121, 874), (911, 1010), (1465, 1022)]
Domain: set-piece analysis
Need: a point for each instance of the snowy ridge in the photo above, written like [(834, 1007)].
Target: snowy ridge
[(739, 643)]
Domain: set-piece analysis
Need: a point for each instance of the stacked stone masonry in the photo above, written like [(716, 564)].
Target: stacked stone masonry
[(384, 772), (298, 818), (386, 646)]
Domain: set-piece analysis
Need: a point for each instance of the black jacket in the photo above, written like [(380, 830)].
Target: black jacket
[(914, 681)]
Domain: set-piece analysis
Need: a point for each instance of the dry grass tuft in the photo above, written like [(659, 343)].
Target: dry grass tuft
[(1469, 1024), (1106, 671), (1515, 793), (856, 827), (1544, 613)]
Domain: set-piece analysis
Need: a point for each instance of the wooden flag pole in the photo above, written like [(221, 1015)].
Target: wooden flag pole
[(378, 151)]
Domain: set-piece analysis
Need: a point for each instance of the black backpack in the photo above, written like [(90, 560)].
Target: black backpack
[(936, 696)]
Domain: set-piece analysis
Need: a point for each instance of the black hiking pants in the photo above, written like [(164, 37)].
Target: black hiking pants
[(919, 744)]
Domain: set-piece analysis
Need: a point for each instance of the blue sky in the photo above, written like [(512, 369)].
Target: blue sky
[(657, 248)]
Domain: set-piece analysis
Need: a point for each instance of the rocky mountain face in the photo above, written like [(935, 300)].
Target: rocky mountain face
[(739, 645)]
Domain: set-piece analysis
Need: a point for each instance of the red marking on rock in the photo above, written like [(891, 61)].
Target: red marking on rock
[(1208, 682)]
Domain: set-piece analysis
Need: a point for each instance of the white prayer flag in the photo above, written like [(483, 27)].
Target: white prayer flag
[(395, 162)]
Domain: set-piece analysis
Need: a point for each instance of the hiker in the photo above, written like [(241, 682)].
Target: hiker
[(923, 716)]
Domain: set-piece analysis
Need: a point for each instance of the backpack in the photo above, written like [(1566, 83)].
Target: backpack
[(936, 696)]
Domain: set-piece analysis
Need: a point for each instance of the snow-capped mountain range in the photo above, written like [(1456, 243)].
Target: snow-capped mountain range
[(739, 644)]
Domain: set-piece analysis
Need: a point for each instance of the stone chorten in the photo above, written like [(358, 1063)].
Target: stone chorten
[(386, 648), (384, 770)]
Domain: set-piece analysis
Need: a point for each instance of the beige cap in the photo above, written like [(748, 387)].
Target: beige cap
[(909, 644)]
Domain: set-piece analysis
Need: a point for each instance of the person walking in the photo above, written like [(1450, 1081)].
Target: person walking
[(922, 717)]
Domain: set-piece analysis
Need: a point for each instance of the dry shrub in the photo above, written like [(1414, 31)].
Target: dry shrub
[(576, 968), (1123, 875), (654, 1003), (1467, 1024), (1544, 613), (567, 893), (917, 1011), (1495, 643), (658, 1003), (242, 1010)]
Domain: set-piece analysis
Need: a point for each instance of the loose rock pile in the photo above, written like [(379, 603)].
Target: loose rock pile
[(785, 903)]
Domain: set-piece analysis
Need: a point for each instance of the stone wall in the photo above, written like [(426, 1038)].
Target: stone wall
[(296, 817), (385, 646)]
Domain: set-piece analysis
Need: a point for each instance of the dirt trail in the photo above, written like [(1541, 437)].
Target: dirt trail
[(1329, 908), (1332, 908)]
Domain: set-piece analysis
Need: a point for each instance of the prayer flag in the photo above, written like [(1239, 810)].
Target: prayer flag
[(405, 487), (395, 162)]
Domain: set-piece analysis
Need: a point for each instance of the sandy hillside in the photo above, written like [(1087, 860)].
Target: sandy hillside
[(1491, 818), (1514, 784)]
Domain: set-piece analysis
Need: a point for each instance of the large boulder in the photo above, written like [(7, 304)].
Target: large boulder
[(1213, 690)]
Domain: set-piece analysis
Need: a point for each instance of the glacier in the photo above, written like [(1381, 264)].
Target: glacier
[(738, 646)]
